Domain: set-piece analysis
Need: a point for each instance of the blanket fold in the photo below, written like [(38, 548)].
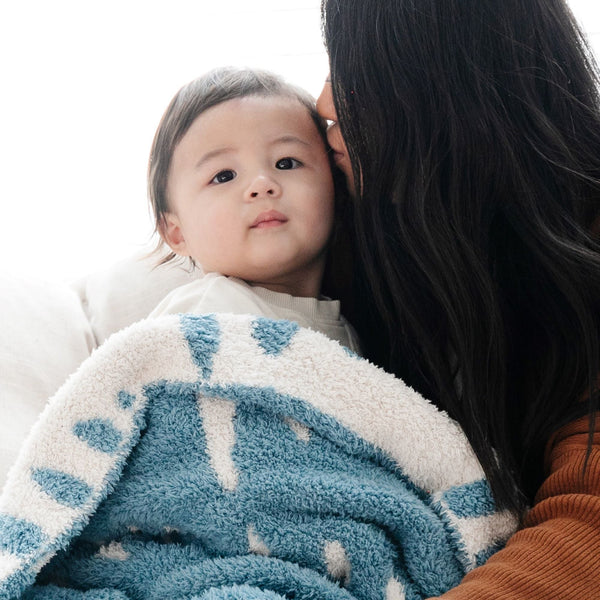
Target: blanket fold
[(235, 457)]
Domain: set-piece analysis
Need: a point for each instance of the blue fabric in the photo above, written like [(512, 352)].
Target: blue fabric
[(187, 480), (64, 488)]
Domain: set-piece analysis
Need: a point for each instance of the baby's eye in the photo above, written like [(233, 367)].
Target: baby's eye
[(224, 176), (287, 163)]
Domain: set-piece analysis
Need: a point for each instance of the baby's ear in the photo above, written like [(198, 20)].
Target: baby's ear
[(170, 231)]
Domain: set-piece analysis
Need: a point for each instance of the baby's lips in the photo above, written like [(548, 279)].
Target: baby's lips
[(269, 216)]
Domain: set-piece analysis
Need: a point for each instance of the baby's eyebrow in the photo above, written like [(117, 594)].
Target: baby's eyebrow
[(212, 154), (290, 139)]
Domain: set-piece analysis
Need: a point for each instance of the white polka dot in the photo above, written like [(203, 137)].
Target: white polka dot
[(338, 565), (394, 590), (114, 551), (255, 542)]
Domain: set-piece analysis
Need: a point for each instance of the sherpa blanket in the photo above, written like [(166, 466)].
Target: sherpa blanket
[(235, 457)]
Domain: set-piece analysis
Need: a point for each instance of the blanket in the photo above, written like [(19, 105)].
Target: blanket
[(235, 457)]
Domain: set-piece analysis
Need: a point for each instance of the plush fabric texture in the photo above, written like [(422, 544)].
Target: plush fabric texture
[(236, 457)]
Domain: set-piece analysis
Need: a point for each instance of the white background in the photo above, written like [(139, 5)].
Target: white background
[(83, 87)]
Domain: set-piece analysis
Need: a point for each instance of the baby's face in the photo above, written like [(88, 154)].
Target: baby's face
[(251, 194)]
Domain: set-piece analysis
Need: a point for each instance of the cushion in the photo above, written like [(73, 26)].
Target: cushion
[(45, 336), (129, 290), (48, 329)]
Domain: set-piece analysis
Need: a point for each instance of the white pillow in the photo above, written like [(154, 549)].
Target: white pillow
[(128, 291), (48, 330), (45, 336)]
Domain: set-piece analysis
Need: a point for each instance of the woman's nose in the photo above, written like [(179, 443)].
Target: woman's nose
[(262, 186), (325, 106)]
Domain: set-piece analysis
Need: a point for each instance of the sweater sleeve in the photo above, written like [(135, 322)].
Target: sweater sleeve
[(556, 554)]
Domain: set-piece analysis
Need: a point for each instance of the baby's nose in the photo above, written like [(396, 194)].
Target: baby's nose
[(263, 186)]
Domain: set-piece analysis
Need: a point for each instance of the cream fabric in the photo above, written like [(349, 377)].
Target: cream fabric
[(220, 294)]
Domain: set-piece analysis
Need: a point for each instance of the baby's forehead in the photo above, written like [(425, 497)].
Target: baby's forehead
[(280, 118), (274, 105)]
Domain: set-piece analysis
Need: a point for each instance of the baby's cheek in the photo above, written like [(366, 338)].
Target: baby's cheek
[(321, 231)]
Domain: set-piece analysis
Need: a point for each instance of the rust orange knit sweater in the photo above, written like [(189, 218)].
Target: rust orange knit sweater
[(556, 554)]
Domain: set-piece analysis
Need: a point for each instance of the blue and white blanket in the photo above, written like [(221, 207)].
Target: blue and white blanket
[(235, 457)]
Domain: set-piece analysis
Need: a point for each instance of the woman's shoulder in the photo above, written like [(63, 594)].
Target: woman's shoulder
[(572, 462)]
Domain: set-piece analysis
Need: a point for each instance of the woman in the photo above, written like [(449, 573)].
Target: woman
[(469, 132)]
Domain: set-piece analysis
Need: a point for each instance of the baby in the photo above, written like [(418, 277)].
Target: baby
[(240, 182)]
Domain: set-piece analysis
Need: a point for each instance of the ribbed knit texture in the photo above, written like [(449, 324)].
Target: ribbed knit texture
[(215, 293), (556, 556)]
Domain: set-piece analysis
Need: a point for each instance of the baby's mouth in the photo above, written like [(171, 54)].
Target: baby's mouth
[(269, 218)]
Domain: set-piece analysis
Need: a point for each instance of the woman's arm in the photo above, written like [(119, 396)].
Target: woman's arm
[(556, 555)]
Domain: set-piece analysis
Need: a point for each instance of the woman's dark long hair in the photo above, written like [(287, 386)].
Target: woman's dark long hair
[(473, 127)]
